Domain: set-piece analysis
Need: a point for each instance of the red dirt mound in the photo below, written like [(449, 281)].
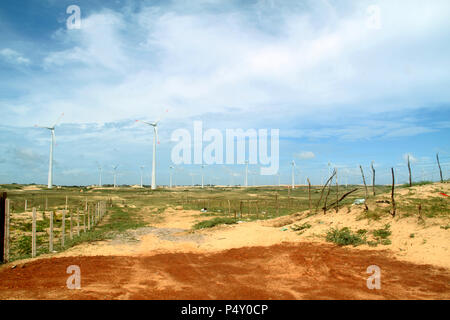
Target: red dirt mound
[(284, 271)]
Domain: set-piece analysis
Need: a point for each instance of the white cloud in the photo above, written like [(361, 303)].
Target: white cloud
[(14, 57), (304, 155)]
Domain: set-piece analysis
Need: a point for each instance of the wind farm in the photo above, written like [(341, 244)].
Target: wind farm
[(244, 151)]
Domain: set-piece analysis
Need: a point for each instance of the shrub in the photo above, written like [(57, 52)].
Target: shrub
[(213, 222), (382, 233), (344, 237)]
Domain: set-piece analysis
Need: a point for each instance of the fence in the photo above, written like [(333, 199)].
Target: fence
[(55, 228)]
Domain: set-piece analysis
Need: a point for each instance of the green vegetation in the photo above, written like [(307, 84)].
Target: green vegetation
[(382, 233), (213, 222), (301, 227), (345, 237)]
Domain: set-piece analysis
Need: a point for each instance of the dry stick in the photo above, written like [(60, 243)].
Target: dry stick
[(323, 188), (325, 201), (33, 234), (71, 225), (365, 188), (341, 198), (229, 207), (420, 212), (50, 239), (240, 209), (337, 193), (248, 204), (89, 218), (66, 202), (439, 165), (46, 203), (392, 193), (84, 221), (257, 210), (373, 179), (78, 222), (409, 170), (7, 222), (309, 196), (63, 228), (26, 203), (276, 200)]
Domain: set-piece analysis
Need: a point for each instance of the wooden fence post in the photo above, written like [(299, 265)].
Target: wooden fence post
[(63, 227), (309, 196), (5, 255), (78, 222), (50, 241), (84, 221), (337, 192), (66, 202), (439, 165), (392, 193), (33, 234), (3, 197), (89, 218), (46, 203), (26, 204), (71, 225), (365, 188), (409, 170), (229, 207)]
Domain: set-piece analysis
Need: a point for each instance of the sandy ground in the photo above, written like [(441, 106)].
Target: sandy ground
[(249, 260)]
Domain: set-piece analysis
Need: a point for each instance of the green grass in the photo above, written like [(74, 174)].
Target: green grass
[(301, 227), (345, 237), (382, 233), (213, 222)]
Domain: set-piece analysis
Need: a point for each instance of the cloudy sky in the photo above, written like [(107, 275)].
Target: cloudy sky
[(345, 82)]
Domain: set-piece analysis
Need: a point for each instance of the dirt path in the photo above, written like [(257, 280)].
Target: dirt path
[(283, 271)]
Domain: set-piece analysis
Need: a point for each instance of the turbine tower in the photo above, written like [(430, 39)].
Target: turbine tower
[(52, 143), (246, 173), (142, 168), (170, 174), (293, 174), (155, 139), (203, 165), (100, 173), (115, 175)]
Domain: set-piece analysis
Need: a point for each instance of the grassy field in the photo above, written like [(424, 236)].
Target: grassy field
[(225, 205)]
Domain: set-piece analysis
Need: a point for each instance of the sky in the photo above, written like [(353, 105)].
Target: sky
[(345, 82)]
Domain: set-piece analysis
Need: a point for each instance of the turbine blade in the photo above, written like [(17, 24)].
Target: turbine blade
[(58, 120)]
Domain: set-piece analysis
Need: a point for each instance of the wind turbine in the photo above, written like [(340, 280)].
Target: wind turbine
[(52, 143), (170, 173), (115, 175), (246, 173), (203, 165), (293, 174), (142, 169), (155, 139), (100, 172)]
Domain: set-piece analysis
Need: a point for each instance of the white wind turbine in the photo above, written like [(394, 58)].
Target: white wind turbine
[(293, 174), (52, 143), (155, 139), (203, 165), (100, 174), (170, 174), (246, 173), (142, 169), (115, 175)]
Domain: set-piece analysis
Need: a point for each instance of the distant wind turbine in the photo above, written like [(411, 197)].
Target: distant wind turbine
[(100, 172), (142, 169), (115, 175), (155, 139), (293, 174), (52, 143), (170, 174)]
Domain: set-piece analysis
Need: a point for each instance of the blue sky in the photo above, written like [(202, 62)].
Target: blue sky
[(339, 89)]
